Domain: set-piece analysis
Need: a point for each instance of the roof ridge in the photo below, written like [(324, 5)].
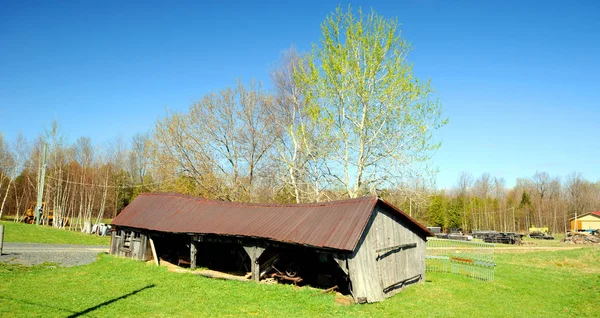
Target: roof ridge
[(261, 204)]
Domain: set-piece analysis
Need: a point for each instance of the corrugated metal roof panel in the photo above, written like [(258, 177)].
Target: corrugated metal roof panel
[(337, 225)]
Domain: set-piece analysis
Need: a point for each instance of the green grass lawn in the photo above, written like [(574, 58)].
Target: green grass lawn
[(555, 242), (29, 233), (551, 284)]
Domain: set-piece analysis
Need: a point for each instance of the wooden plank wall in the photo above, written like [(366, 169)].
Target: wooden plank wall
[(402, 264), (139, 247), (114, 242), (372, 272), (363, 270)]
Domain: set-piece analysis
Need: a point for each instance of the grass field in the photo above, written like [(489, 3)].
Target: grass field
[(29, 233), (563, 283)]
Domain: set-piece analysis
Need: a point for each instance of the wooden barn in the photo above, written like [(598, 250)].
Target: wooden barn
[(366, 247)]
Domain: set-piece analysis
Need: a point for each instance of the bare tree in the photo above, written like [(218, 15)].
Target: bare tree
[(60, 176), (221, 142), (482, 192), (581, 194), (13, 160), (483, 185), (300, 146), (499, 192), (464, 184), (554, 205), (541, 181), (137, 162), (7, 163)]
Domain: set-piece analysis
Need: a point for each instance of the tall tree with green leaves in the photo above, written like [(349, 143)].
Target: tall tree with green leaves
[(436, 213), (358, 82), (525, 205)]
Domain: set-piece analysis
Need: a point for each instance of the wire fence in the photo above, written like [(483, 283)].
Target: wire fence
[(471, 259)]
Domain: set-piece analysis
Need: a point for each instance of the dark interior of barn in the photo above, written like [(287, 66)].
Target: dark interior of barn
[(282, 263)]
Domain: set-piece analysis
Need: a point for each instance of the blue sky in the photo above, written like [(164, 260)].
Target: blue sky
[(519, 80)]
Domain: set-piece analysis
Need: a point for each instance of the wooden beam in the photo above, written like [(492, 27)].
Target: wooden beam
[(397, 247), (254, 253), (329, 290), (193, 251), (153, 251), (210, 274), (401, 283), (342, 262)]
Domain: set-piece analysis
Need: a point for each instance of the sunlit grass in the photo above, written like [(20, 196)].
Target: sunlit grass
[(30, 233), (551, 284)]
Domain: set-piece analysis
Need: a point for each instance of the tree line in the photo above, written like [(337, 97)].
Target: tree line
[(84, 183), (87, 183), (539, 201)]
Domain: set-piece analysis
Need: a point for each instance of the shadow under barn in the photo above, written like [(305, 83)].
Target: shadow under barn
[(279, 262)]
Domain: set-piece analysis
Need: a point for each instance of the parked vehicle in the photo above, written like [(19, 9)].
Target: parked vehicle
[(31, 214), (47, 215)]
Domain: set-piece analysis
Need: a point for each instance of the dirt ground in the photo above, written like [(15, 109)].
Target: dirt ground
[(61, 254)]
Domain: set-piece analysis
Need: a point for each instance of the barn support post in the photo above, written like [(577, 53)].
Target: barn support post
[(254, 253), (193, 251), (153, 248), (342, 262)]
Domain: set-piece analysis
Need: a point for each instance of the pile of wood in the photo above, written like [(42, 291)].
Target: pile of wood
[(581, 238), (289, 275)]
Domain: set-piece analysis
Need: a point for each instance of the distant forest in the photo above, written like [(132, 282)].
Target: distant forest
[(87, 183)]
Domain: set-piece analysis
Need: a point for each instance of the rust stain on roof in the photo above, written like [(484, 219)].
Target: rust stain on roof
[(336, 225)]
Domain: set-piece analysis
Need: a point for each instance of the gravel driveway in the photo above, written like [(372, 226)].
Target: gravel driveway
[(62, 254)]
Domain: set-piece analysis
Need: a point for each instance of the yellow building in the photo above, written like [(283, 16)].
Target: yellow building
[(588, 221)]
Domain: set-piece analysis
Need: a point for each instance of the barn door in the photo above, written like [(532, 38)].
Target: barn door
[(395, 265)]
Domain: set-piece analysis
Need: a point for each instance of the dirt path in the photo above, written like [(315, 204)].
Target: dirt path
[(62, 254)]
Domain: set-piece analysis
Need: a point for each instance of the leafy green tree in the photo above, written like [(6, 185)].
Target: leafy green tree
[(358, 83), (455, 211), (526, 207), (436, 214)]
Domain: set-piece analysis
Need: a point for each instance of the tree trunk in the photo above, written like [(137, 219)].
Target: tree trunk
[(5, 196)]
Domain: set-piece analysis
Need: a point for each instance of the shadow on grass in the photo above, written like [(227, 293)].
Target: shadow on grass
[(77, 314), (83, 312)]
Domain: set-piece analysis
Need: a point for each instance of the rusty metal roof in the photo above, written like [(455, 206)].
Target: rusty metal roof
[(337, 225)]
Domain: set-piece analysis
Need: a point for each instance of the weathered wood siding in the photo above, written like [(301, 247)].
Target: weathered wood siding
[(402, 265), (363, 270), (376, 275), (137, 248)]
